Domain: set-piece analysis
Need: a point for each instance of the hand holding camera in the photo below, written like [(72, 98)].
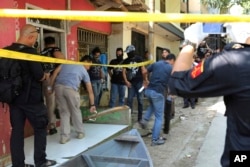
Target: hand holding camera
[(195, 34)]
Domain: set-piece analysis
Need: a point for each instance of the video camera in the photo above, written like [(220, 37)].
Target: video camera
[(214, 28)]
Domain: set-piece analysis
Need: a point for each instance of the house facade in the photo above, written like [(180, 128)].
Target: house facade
[(78, 38)]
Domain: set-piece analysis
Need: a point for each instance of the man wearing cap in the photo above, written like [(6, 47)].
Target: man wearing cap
[(223, 74), (133, 79)]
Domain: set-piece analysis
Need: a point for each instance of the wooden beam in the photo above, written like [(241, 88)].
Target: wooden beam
[(104, 7), (122, 7)]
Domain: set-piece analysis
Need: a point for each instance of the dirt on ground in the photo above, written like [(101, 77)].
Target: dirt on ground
[(187, 132)]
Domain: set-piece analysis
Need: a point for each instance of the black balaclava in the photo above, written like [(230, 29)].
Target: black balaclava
[(119, 57), (131, 54)]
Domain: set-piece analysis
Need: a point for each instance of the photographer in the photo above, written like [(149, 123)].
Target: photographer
[(223, 74)]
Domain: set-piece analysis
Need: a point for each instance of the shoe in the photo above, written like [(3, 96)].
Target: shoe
[(48, 163), (64, 140), (143, 124), (157, 142), (163, 138), (52, 131), (165, 131), (185, 106), (29, 165), (193, 107), (80, 135)]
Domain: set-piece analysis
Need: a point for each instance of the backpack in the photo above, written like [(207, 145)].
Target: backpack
[(10, 77)]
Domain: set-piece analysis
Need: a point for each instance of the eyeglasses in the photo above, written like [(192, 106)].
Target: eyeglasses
[(38, 31)]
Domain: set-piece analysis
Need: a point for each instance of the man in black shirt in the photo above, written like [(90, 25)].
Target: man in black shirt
[(50, 50), (133, 79), (96, 74), (29, 105), (118, 86)]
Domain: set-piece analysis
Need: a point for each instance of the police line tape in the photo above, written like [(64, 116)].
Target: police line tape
[(30, 57), (104, 16)]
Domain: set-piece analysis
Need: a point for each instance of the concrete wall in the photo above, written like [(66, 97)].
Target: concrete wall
[(195, 6), (172, 6), (115, 40), (163, 42)]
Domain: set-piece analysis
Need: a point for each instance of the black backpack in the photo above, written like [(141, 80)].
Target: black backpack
[(10, 77)]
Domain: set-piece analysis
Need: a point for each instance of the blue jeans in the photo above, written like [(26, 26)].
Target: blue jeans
[(132, 91), (156, 107), (117, 89), (97, 87)]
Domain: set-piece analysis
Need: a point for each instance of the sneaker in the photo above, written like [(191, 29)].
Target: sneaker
[(48, 163), (52, 131), (80, 135), (157, 142), (64, 140), (143, 124), (185, 106)]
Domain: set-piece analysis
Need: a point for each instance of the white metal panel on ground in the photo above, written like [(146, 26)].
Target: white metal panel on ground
[(94, 134)]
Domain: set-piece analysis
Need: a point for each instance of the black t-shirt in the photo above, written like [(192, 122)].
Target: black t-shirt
[(136, 71), (95, 70), (117, 77), (49, 51), (32, 72)]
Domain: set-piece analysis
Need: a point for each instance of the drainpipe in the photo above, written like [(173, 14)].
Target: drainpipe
[(68, 7), (187, 8), (151, 31)]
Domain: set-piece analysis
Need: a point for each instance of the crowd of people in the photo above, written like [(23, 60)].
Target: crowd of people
[(159, 82)]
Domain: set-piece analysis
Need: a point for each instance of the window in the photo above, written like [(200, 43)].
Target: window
[(87, 40), (163, 6), (138, 40)]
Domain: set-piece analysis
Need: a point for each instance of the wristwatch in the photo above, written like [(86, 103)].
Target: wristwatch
[(187, 42)]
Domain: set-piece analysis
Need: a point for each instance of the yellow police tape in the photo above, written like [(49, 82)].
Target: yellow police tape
[(104, 16), (30, 57)]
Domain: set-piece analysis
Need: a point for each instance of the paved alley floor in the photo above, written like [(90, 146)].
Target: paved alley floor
[(196, 137)]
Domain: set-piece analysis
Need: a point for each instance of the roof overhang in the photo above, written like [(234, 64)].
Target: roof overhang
[(174, 29), (120, 5)]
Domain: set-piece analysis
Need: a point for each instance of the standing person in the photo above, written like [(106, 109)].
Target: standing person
[(133, 79), (158, 81), (29, 105), (165, 52), (50, 50), (146, 56), (213, 77), (190, 100), (169, 109), (66, 81), (96, 74), (118, 86)]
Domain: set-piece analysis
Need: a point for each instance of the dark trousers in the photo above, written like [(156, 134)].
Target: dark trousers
[(133, 91), (168, 114), (38, 118), (238, 130)]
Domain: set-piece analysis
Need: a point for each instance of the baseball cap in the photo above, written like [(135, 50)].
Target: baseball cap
[(130, 48)]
